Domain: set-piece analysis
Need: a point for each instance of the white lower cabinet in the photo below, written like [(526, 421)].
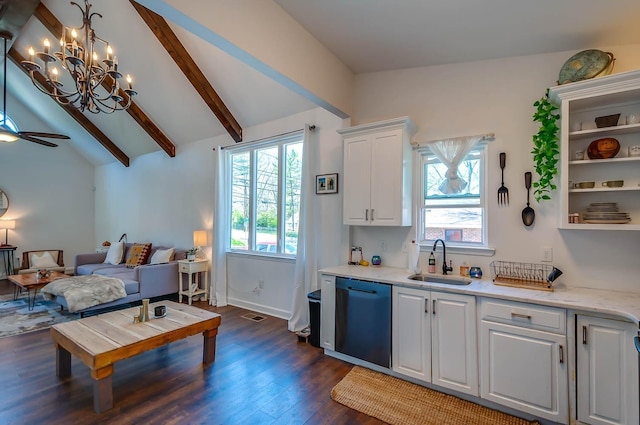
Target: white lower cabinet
[(328, 311), (607, 372), (434, 338), (521, 365), (411, 333)]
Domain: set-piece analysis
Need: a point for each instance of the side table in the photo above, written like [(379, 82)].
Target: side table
[(195, 287), (8, 256)]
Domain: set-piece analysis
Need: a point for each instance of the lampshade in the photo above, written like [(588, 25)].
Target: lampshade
[(199, 238), (7, 224)]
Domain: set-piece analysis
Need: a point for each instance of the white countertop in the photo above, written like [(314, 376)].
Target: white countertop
[(623, 304)]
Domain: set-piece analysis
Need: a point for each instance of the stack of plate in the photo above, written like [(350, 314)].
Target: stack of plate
[(605, 213)]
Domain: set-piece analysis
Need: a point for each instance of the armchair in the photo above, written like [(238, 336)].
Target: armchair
[(49, 259)]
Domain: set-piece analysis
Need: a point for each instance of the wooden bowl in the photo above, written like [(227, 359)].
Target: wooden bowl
[(607, 147)]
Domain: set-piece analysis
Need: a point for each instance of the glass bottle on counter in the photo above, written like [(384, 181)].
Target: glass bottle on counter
[(432, 263)]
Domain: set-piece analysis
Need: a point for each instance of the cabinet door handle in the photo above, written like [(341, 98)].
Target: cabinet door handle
[(426, 305), (521, 316), (366, 215), (433, 309), (561, 354), (584, 335), (372, 210)]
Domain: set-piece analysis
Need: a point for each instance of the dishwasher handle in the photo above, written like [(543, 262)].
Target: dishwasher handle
[(368, 291)]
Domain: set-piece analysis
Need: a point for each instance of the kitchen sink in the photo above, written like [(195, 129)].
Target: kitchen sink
[(449, 280)]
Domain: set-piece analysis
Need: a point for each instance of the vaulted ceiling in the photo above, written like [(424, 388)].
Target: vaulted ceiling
[(170, 66), (191, 90)]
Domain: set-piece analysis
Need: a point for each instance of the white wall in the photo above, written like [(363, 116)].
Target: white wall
[(50, 192), (497, 96), (162, 200)]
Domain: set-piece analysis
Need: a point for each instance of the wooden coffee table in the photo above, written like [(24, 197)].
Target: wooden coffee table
[(30, 282), (102, 340)]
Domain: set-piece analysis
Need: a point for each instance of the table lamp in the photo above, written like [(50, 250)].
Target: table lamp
[(199, 238), (6, 225)]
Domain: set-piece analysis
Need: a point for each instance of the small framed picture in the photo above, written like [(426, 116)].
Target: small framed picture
[(326, 183)]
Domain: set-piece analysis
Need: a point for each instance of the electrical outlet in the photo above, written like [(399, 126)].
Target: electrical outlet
[(546, 254), (261, 284), (383, 245)]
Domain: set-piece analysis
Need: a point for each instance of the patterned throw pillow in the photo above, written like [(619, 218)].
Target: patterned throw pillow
[(138, 254)]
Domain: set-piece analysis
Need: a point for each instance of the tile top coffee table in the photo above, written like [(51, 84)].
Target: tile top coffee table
[(31, 282), (102, 340)]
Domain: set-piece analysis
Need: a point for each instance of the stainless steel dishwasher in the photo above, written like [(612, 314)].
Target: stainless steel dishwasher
[(363, 320)]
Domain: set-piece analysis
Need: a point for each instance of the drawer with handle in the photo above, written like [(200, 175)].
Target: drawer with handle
[(550, 319)]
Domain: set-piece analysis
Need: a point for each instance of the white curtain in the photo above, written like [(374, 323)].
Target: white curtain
[(218, 287), (451, 152), (305, 275)]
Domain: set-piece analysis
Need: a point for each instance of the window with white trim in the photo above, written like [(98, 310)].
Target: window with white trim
[(457, 218), (265, 186)]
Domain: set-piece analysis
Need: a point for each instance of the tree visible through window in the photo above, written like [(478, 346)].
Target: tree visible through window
[(457, 218), (265, 195)]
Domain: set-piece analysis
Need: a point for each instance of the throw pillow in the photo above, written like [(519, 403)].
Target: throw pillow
[(42, 260), (162, 256), (114, 255), (138, 254)]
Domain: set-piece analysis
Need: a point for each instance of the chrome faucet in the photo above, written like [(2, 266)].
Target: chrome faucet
[(445, 268)]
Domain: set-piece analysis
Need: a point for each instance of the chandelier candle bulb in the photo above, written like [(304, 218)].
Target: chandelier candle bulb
[(109, 52), (46, 46), (32, 54), (129, 82)]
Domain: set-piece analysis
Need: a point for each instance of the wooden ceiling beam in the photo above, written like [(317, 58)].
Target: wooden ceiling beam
[(52, 23), (17, 58), (190, 69)]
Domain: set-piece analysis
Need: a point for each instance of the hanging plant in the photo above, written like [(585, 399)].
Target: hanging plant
[(545, 147)]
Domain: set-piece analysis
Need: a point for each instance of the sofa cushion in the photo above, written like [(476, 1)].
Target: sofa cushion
[(85, 269), (115, 253), (138, 254), (131, 286), (39, 260), (162, 256)]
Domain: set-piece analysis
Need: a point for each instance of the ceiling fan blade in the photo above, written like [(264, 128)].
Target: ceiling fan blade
[(37, 134), (41, 142)]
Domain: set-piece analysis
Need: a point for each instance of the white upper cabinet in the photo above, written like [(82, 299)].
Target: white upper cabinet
[(377, 173), (580, 103)]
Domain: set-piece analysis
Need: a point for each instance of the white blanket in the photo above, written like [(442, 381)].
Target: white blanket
[(85, 291)]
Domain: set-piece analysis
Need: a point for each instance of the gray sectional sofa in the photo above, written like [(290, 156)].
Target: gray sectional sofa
[(145, 281)]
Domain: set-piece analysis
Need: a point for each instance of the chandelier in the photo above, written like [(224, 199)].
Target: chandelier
[(93, 84)]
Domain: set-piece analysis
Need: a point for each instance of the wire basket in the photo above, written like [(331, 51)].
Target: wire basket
[(523, 275)]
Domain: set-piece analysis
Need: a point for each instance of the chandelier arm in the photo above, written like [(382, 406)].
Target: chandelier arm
[(114, 108), (48, 92)]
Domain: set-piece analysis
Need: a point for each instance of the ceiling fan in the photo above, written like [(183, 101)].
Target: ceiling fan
[(6, 133)]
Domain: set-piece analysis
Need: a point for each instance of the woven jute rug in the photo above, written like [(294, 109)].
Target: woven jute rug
[(399, 402)]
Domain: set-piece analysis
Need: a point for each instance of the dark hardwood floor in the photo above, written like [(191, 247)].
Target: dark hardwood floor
[(262, 375)]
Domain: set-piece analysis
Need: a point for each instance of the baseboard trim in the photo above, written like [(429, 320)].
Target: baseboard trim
[(282, 314)]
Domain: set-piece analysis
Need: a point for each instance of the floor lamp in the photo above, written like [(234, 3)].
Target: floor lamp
[(6, 225)]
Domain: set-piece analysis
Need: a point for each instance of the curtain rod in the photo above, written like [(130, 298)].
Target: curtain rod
[(484, 137), (311, 127)]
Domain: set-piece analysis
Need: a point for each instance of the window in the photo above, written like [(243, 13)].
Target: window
[(265, 190), (458, 219)]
